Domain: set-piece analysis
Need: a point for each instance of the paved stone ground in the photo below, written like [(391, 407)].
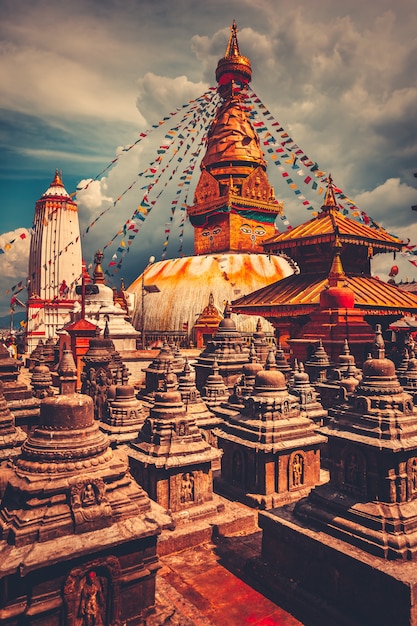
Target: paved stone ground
[(208, 586)]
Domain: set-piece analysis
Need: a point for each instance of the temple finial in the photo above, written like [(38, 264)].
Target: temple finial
[(232, 49), (329, 198), (57, 181)]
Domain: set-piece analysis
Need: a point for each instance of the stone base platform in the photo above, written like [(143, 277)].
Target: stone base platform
[(225, 518), (326, 581)]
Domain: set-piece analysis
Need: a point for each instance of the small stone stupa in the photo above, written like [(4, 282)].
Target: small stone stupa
[(229, 350), (19, 397), (271, 453), (11, 439), (172, 461), (124, 416), (78, 535)]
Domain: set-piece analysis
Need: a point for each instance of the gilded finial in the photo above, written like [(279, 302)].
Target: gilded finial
[(329, 198), (57, 181)]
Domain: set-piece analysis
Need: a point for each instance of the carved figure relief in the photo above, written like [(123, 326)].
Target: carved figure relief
[(297, 470), (354, 472), (182, 429), (187, 488), (92, 593), (92, 606), (412, 473), (89, 502), (237, 467)]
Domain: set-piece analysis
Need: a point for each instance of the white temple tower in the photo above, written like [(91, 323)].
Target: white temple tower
[(55, 263)]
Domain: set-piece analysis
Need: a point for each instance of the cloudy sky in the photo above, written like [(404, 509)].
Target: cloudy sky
[(81, 80)]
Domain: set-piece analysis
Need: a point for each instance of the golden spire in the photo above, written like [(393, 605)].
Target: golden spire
[(233, 66), (232, 49), (57, 182), (329, 198), (337, 272)]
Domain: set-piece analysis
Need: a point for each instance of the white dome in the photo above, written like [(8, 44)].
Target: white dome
[(185, 286)]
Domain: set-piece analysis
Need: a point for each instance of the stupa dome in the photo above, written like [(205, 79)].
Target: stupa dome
[(269, 380), (185, 286), (379, 368)]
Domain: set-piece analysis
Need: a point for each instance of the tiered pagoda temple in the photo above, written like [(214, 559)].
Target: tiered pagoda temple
[(334, 297)]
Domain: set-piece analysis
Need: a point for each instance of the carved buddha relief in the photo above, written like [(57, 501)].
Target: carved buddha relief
[(187, 488), (296, 467)]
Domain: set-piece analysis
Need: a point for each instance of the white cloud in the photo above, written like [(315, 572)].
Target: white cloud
[(13, 264), (159, 95)]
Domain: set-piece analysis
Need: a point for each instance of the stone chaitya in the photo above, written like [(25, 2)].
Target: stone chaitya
[(360, 568), (156, 372), (11, 439), (227, 348), (41, 380), (78, 535), (103, 368), (19, 397), (271, 454), (171, 459), (124, 415), (308, 397), (205, 419)]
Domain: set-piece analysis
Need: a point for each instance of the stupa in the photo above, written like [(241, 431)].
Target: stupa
[(100, 308), (124, 416), (234, 210), (78, 535), (271, 452), (172, 461), (54, 263), (11, 440), (351, 545), (19, 397), (228, 349)]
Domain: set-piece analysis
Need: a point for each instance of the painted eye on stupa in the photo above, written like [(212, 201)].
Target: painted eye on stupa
[(245, 228), (206, 233), (259, 232), (216, 230)]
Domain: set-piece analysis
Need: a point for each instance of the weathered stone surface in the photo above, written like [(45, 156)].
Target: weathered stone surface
[(76, 531), (271, 452)]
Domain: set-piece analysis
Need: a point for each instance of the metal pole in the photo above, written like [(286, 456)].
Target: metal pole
[(151, 260)]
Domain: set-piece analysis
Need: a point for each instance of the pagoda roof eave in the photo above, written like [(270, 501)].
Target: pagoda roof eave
[(329, 225), (299, 294), (273, 246)]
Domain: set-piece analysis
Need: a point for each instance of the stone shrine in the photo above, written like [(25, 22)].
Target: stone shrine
[(78, 535), (205, 419), (11, 440), (229, 350), (271, 454), (18, 395), (351, 545), (308, 397), (124, 416), (172, 461)]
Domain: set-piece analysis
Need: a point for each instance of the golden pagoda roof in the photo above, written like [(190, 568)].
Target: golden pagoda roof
[(299, 294), (329, 225)]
